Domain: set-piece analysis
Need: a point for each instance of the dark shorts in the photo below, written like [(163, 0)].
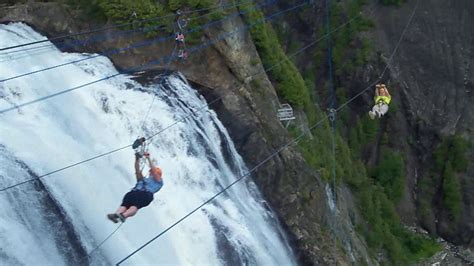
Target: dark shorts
[(137, 198)]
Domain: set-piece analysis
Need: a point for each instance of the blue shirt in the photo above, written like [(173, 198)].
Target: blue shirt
[(149, 184)]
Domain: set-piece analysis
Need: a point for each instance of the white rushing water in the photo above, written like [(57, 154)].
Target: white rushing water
[(62, 221)]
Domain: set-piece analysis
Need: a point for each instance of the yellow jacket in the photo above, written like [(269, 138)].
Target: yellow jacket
[(384, 99)]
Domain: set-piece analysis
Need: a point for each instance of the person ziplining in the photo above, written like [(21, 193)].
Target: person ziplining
[(382, 100), (142, 194), (179, 37)]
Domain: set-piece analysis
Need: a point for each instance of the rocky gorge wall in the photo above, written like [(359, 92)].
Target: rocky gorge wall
[(431, 78)]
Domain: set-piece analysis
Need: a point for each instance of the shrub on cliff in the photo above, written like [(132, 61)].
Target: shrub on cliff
[(390, 173), (451, 159), (289, 82)]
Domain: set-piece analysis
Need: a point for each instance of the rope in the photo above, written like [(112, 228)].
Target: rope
[(162, 77), (263, 161), (176, 122), (154, 94), (115, 26), (136, 45), (153, 101), (149, 64)]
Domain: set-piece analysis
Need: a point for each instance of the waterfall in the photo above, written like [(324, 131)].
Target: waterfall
[(59, 219)]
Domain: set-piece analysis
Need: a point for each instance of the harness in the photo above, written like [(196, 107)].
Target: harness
[(148, 185), (140, 146), (143, 188)]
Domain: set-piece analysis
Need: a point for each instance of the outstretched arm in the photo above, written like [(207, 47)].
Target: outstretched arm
[(150, 162), (377, 88), (154, 171), (138, 172)]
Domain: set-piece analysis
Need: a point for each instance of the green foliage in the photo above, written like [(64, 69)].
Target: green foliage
[(390, 173), (289, 82), (452, 149), (175, 4), (451, 191), (384, 230), (392, 2), (419, 247), (378, 197), (90, 9), (450, 159), (427, 187), (148, 14), (123, 11), (364, 132)]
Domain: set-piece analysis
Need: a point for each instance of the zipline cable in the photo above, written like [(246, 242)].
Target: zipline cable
[(149, 137), (220, 192), (105, 240), (295, 140), (76, 43), (136, 45), (150, 63), (109, 27)]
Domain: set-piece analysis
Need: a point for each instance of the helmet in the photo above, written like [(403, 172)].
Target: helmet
[(156, 172)]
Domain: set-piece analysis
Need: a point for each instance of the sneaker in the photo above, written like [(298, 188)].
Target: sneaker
[(113, 217), (121, 217), (372, 115)]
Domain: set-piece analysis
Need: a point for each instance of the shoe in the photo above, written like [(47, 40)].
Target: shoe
[(121, 217), (372, 115), (113, 217)]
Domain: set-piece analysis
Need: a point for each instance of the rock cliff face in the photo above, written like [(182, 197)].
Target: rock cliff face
[(431, 78)]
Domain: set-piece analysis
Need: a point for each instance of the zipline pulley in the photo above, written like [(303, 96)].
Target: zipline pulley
[(332, 114)]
